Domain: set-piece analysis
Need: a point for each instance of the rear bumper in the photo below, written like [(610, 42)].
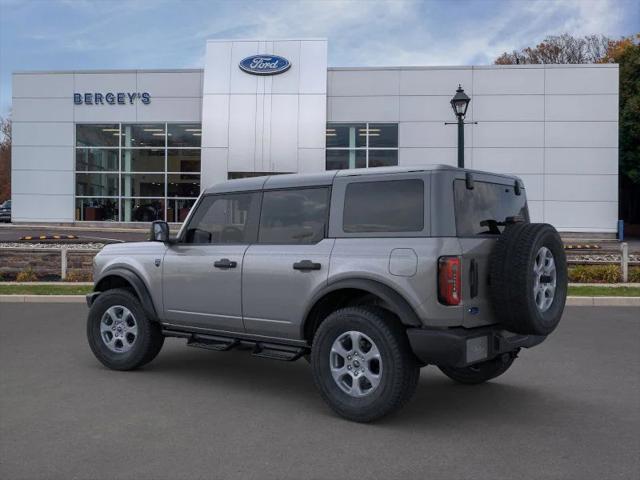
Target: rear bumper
[(460, 347)]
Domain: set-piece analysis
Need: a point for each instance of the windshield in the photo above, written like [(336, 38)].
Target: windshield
[(484, 209)]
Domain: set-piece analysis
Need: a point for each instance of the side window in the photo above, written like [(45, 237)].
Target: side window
[(220, 219), (484, 209), (297, 216), (384, 206)]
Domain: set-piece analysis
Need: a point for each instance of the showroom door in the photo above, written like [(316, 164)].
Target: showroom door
[(202, 273)]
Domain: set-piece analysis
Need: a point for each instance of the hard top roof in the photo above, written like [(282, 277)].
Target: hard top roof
[(289, 180)]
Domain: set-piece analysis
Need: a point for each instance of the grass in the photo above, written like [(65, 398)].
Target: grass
[(52, 289), (603, 291)]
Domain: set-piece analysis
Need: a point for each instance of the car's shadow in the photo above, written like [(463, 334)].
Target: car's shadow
[(438, 401)]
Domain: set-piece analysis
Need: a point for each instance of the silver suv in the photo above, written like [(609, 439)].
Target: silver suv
[(368, 274)]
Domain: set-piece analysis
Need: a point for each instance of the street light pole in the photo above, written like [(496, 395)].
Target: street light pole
[(460, 103), (460, 142)]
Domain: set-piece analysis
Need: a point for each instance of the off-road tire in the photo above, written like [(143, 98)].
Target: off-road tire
[(512, 279), (480, 372), (147, 344), (400, 370)]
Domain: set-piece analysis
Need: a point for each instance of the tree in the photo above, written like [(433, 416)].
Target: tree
[(600, 49), (563, 48), (626, 53), (5, 159)]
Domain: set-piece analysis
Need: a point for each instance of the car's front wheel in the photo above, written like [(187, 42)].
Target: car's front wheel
[(362, 363), (120, 333)]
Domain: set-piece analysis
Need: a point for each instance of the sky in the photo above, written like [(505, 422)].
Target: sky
[(109, 34)]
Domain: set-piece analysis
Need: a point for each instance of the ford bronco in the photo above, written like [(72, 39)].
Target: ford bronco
[(368, 274)]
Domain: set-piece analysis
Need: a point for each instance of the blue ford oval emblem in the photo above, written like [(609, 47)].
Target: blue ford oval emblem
[(265, 64)]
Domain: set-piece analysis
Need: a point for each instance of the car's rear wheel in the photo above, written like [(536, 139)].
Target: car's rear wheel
[(120, 333), (362, 363), (480, 372)]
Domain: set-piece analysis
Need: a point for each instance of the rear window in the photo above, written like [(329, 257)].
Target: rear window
[(484, 209), (384, 206)]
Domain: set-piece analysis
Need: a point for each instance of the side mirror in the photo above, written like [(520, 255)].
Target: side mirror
[(159, 231)]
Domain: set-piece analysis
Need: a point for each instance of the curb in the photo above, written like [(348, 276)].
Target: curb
[(42, 299), (74, 284), (603, 301), (599, 285), (571, 301)]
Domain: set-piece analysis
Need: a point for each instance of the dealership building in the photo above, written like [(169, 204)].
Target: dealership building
[(137, 145)]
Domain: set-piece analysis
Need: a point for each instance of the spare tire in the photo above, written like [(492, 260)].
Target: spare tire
[(528, 278)]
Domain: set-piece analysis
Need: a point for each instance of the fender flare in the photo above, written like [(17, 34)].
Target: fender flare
[(396, 302), (133, 279)]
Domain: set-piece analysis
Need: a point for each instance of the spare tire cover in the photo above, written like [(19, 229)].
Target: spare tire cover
[(528, 278)]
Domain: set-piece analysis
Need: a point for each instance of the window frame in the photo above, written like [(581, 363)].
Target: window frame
[(121, 148), (325, 233), (367, 148), (253, 216), (490, 182), (338, 197)]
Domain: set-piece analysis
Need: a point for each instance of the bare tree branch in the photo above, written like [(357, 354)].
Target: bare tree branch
[(563, 48)]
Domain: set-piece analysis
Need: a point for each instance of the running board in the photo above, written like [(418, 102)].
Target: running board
[(258, 348), (278, 352), (219, 344)]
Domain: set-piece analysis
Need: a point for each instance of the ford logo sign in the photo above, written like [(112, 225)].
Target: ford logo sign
[(265, 64)]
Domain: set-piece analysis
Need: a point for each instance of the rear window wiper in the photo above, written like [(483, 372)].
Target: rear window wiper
[(494, 224)]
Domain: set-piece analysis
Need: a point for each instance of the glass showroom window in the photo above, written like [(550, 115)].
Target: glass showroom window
[(137, 172), (361, 145)]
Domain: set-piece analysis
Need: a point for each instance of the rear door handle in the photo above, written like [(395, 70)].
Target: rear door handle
[(225, 263), (306, 265)]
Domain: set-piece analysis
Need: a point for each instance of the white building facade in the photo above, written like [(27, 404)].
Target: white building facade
[(126, 146)]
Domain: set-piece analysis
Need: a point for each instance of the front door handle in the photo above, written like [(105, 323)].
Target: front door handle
[(225, 263), (306, 265)]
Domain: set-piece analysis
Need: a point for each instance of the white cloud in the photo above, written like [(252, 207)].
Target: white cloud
[(407, 32), (171, 34)]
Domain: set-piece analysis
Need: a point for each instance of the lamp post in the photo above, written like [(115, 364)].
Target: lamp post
[(460, 103)]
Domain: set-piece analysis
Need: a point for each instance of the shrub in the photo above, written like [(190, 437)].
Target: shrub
[(595, 273), (634, 274), (601, 274), (78, 276), (27, 275)]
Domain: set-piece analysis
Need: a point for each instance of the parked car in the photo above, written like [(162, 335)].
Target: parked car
[(368, 274), (5, 211)]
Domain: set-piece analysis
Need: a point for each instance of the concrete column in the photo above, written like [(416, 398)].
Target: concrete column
[(63, 263)]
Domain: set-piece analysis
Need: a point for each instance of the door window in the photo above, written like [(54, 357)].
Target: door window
[(296, 216), (224, 219)]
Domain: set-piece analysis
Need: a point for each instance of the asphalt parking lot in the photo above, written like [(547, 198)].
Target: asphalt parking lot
[(567, 409)]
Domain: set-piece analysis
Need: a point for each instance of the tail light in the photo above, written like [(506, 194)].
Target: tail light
[(449, 289)]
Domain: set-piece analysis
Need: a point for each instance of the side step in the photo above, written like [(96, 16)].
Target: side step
[(274, 351), (219, 344), (278, 352)]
